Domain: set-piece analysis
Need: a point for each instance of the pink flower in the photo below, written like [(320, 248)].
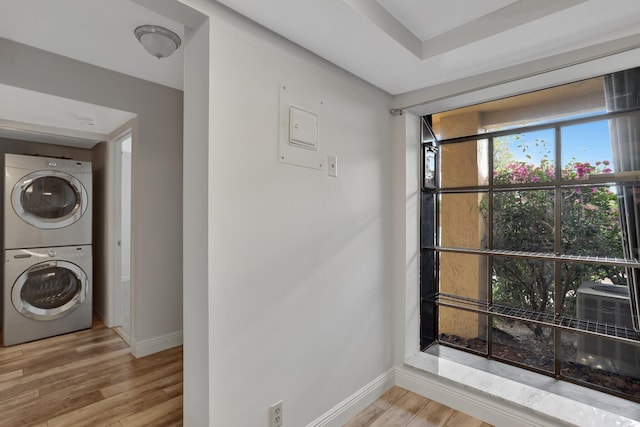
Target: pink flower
[(606, 162), (590, 207), (606, 170)]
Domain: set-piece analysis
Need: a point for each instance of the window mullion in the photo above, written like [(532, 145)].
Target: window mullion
[(490, 246), (557, 274)]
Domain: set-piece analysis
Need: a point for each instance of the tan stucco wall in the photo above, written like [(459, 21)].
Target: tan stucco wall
[(462, 164)]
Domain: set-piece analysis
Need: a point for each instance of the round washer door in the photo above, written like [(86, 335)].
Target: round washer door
[(49, 199), (49, 290)]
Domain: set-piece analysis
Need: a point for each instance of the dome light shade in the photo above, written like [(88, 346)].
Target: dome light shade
[(158, 41)]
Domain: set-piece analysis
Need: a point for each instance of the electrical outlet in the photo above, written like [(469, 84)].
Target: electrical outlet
[(275, 414)]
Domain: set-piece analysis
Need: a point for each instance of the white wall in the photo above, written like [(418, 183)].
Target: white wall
[(197, 400), (299, 263)]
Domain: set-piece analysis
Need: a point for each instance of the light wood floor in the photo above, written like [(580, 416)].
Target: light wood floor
[(88, 378), (401, 408)]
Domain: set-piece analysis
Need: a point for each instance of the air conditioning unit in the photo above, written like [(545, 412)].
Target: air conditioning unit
[(609, 304)]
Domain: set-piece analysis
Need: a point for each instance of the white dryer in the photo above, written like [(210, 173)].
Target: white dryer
[(47, 292), (47, 202)]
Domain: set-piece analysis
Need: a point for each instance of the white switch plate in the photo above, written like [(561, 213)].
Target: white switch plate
[(300, 155), (303, 128), (332, 165)]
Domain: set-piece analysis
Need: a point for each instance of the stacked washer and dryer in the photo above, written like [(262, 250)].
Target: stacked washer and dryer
[(47, 272)]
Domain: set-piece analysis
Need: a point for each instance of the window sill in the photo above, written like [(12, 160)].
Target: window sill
[(543, 396)]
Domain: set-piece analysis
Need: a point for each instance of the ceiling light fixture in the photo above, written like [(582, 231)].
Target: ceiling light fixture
[(158, 41)]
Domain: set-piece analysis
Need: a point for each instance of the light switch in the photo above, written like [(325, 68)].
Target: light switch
[(303, 128), (332, 162)]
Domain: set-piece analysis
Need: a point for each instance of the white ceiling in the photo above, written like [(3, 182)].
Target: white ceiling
[(396, 53), (459, 12), (399, 46), (34, 116), (95, 31)]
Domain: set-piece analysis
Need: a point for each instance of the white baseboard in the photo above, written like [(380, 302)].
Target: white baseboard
[(154, 345), (349, 407), (476, 404)]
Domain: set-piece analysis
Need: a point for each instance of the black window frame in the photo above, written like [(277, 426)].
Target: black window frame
[(430, 297)]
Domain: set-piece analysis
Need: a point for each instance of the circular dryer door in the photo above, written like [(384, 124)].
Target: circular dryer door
[(49, 199), (49, 290)]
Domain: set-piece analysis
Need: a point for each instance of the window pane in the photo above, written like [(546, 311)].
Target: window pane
[(463, 221), (524, 343), (603, 362), (463, 275), (523, 284), (629, 207), (586, 150), (525, 157), (523, 220), (463, 329), (591, 222), (588, 288), (464, 164), (429, 167)]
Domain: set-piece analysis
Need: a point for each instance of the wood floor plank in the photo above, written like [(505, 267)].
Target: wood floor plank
[(56, 373), (11, 375), (158, 415), (402, 412), (458, 419), (366, 417), (10, 355), (432, 414), (109, 410), (68, 383), (407, 409), (38, 411), (174, 390), (18, 401), (387, 400), (158, 380)]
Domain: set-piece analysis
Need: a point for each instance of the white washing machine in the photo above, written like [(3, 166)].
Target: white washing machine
[(47, 292), (47, 202)]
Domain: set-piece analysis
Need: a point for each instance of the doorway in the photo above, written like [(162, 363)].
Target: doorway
[(122, 234)]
